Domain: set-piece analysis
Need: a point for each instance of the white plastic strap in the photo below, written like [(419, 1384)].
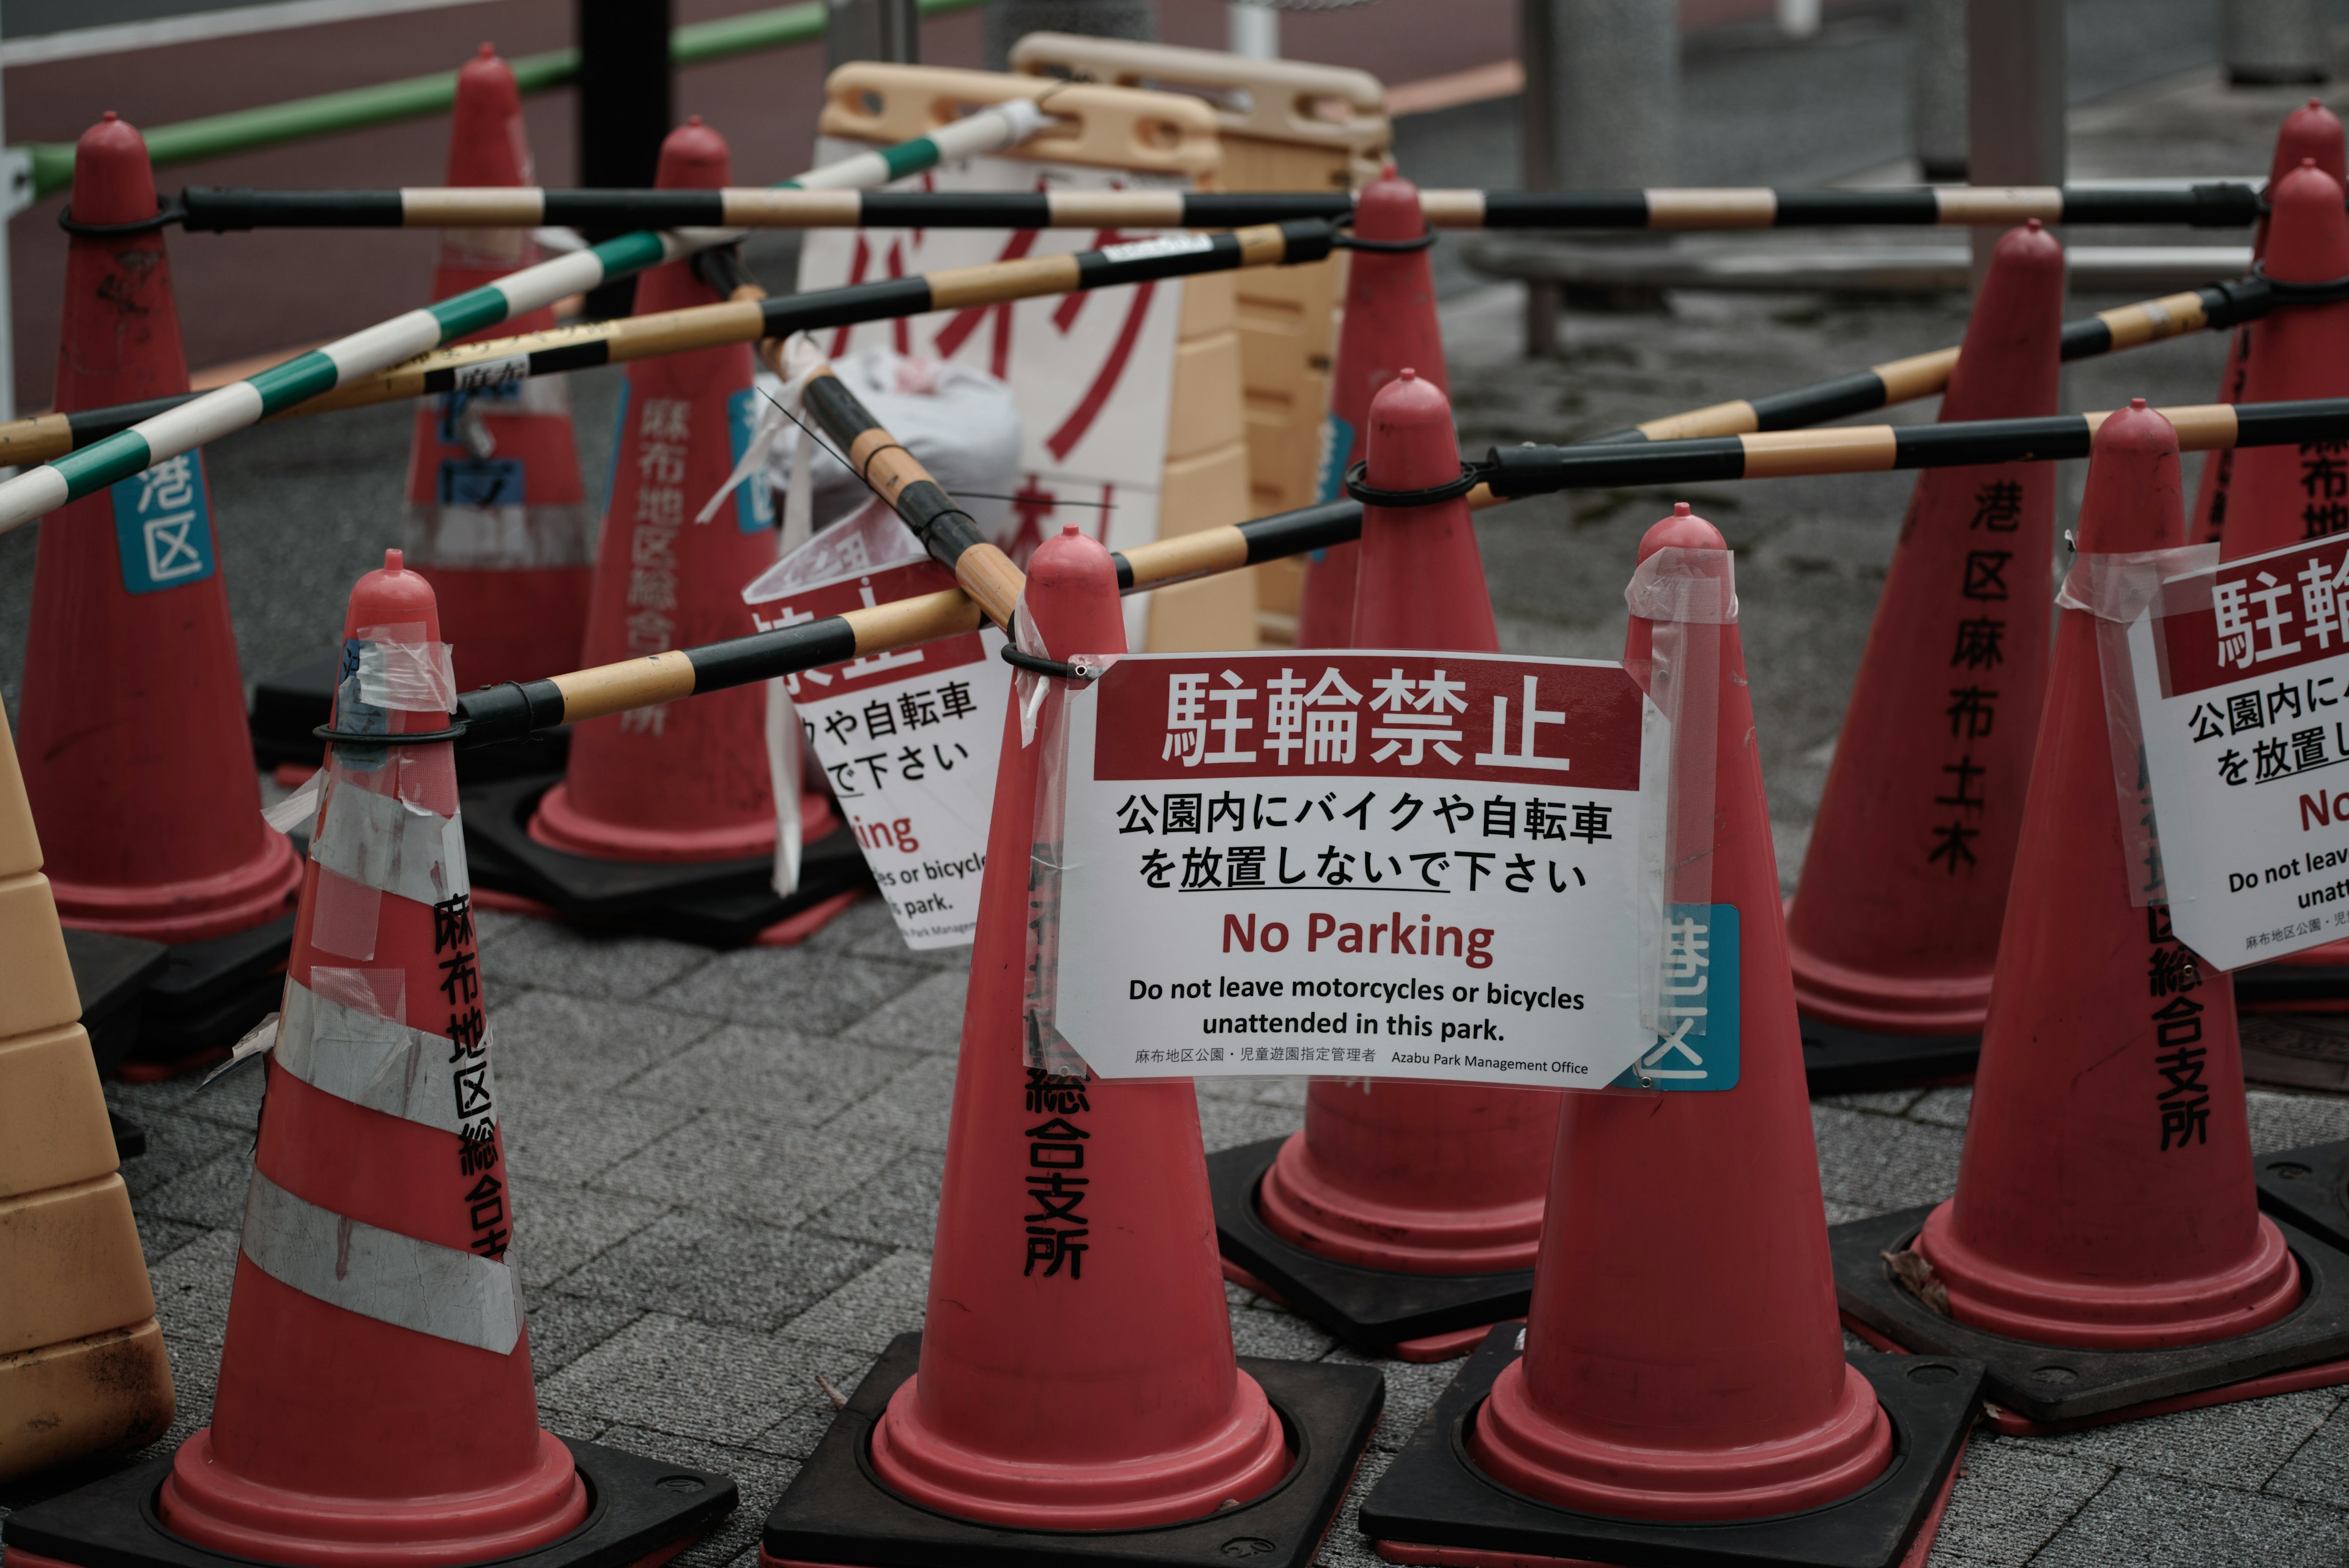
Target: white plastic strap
[(391, 843), (398, 1279), (359, 1055), (2119, 590), (800, 360), (1696, 587), (783, 779), (299, 809)]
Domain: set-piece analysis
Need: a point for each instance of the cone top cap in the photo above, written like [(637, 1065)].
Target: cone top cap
[(2311, 131), (394, 595), (2308, 232), (693, 157), (486, 141), (2029, 247), (1410, 444), (113, 182), (491, 79), (1071, 559), (1388, 209), (2134, 501), (1682, 530)]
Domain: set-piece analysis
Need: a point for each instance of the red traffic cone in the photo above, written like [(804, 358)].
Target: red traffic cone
[(2279, 495), (2105, 1200), (496, 516), (1389, 322), (684, 782), (1681, 1362), (1094, 1388), (2310, 131), (1893, 932), (133, 734), (1399, 1182), (375, 1402)]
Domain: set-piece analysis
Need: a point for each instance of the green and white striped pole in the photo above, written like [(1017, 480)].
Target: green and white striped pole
[(385, 344)]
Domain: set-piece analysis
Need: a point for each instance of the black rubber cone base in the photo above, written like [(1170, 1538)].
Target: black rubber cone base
[(837, 1512), (2309, 1188), (1434, 1494), (2290, 985), (723, 903), (1840, 1061), (2050, 1383), (111, 974), (2296, 1051), (1367, 1309), (207, 994), (290, 704), (637, 1508)]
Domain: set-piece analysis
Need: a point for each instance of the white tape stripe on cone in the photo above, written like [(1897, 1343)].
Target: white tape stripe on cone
[(379, 1274), (380, 1064), (386, 843)]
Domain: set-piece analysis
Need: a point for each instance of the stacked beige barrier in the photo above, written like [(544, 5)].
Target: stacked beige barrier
[(82, 1368), (1285, 126), (1205, 482)]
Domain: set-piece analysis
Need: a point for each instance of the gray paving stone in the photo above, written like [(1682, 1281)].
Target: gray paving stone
[(176, 1144), (1881, 1162), (865, 920), (211, 1195), (1280, 1335), (897, 1206), (929, 1017), (1412, 1390), (787, 1075), (558, 1137), (546, 955), (191, 1288), (2008, 1502), (721, 1269), (2318, 1470), (564, 1328), (869, 1311), (1879, 1102), (694, 1379), (2140, 1517), (549, 1042), (734, 1163), (1843, 1213), (558, 1233), (2238, 1445), (909, 1111), (759, 1477), (493, 926), (2288, 1121), (159, 1238), (819, 992), (1223, 1123), (195, 1379), (1944, 1107), (797, 1433), (1346, 1546)]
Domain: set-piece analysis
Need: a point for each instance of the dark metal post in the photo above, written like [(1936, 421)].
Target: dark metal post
[(625, 106)]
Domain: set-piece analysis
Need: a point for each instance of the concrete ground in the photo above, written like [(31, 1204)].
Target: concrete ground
[(728, 1164)]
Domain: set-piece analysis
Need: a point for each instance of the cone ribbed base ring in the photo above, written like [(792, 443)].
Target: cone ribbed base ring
[(1244, 1457), (1304, 1208), (1875, 1003), (261, 889), (1522, 1448), (1437, 1503), (837, 1510), (560, 825), (204, 1502), (1987, 1294), (2051, 1383), (638, 1510)]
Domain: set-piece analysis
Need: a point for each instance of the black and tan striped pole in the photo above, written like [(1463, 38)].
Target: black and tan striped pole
[(222, 209), (511, 711), (561, 349)]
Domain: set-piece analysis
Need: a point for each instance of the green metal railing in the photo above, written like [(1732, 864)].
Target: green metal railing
[(417, 98)]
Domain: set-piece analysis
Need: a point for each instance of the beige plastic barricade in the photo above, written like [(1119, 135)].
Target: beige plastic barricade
[(1285, 126), (1143, 139), (82, 1368)]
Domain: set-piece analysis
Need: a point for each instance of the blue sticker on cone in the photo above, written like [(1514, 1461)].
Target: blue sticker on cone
[(163, 526), (1700, 1005), (754, 504)]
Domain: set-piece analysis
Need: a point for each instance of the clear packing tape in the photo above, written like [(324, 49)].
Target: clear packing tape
[(1686, 596), (2118, 590), (1043, 704)]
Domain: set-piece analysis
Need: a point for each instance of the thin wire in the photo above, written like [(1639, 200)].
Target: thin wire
[(975, 494)]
